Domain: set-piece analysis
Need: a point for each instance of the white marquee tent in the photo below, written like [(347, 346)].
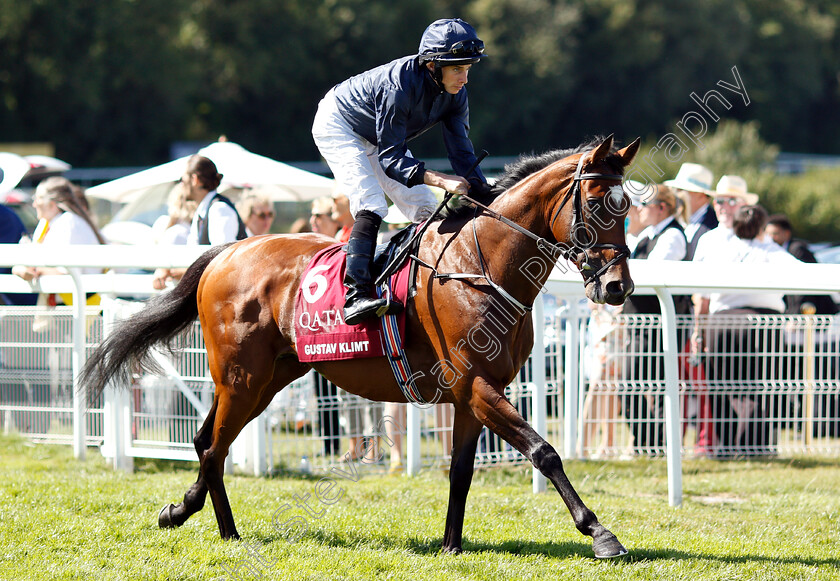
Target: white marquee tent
[(241, 169)]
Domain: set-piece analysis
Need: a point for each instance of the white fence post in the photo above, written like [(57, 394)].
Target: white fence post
[(412, 436), (122, 427), (255, 458), (571, 371), (115, 399), (582, 380), (538, 381), (670, 352), (79, 328)]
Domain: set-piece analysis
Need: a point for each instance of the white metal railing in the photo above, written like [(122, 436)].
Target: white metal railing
[(74, 259), (649, 277)]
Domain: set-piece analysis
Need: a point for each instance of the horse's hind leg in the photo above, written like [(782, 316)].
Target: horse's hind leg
[(497, 413), (215, 433), (174, 515), (237, 405)]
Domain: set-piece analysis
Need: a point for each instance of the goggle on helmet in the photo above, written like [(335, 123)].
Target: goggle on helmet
[(450, 41)]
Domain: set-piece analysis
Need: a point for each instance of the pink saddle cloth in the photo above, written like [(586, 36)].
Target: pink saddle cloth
[(320, 331)]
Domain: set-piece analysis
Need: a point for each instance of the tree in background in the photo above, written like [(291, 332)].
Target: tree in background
[(115, 83), (107, 82), (269, 63)]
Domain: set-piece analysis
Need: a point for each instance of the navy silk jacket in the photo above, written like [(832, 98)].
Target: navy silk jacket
[(396, 102)]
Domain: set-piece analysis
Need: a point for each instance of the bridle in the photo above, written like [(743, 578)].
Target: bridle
[(574, 193), (544, 245), (622, 251)]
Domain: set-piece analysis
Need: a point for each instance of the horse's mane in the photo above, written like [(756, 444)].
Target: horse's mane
[(524, 166)]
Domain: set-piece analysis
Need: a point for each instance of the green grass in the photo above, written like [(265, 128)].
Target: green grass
[(63, 519)]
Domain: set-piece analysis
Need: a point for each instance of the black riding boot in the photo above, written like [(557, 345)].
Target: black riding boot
[(359, 304)]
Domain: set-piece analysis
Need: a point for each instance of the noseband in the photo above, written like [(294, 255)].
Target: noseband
[(571, 254)]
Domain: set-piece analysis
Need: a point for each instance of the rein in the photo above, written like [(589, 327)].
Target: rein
[(543, 244), (577, 219)]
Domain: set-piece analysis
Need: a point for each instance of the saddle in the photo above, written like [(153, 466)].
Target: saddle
[(320, 331), (387, 254)]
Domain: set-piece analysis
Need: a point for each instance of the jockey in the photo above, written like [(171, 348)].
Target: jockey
[(361, 129)]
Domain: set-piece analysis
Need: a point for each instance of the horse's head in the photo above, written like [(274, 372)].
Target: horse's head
[(587, 220)]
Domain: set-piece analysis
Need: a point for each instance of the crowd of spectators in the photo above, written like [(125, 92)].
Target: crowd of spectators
[(687, 218), (683, 219)]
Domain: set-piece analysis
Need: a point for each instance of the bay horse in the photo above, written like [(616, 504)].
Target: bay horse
[(566, 202)]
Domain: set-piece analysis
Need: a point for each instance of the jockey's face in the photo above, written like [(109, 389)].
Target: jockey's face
[(454, 77)]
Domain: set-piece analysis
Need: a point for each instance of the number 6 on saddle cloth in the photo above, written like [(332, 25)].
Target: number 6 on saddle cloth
[(320, 331)]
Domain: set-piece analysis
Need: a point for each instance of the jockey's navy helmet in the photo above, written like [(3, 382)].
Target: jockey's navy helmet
[(450, 41)]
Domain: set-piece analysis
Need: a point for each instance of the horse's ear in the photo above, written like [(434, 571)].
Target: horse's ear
[(602, 150), (628, 153)]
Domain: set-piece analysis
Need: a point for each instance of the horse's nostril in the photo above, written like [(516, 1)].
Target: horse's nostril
[(614, 288)]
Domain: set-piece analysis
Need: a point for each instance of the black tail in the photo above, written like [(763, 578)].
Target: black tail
[(164, 318)]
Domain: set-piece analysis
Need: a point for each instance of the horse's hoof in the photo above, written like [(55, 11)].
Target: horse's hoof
[(165, 517), (452, 550), (607, 547)]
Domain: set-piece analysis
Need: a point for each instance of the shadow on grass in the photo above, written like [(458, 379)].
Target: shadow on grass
[(426, 546), (158, 466), (643, 555), (561, 550)]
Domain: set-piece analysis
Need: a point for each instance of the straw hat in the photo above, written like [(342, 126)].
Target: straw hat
[(638, 192), (692, 177), (735, 187)]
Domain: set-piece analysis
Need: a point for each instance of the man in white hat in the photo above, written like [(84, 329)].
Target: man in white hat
[(693, 184), (729, 196)]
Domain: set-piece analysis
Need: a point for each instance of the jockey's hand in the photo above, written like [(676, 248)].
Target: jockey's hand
[(479, 188), (454, 184)]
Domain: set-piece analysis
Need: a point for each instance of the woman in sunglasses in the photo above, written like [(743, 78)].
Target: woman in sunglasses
[(362, 128), (257, 211)]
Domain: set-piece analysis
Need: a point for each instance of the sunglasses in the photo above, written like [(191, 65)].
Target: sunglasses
[(263, 215), (466, 48), (727, 201)]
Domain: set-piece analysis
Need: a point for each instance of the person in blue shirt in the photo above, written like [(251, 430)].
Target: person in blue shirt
[(362, 128), (11, 231), (11, 227)]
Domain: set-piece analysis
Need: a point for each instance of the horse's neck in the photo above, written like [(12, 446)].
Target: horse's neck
[(515, 261)]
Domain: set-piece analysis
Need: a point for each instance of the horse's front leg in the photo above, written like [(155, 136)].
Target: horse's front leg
[(466, 430), (496, 412)]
